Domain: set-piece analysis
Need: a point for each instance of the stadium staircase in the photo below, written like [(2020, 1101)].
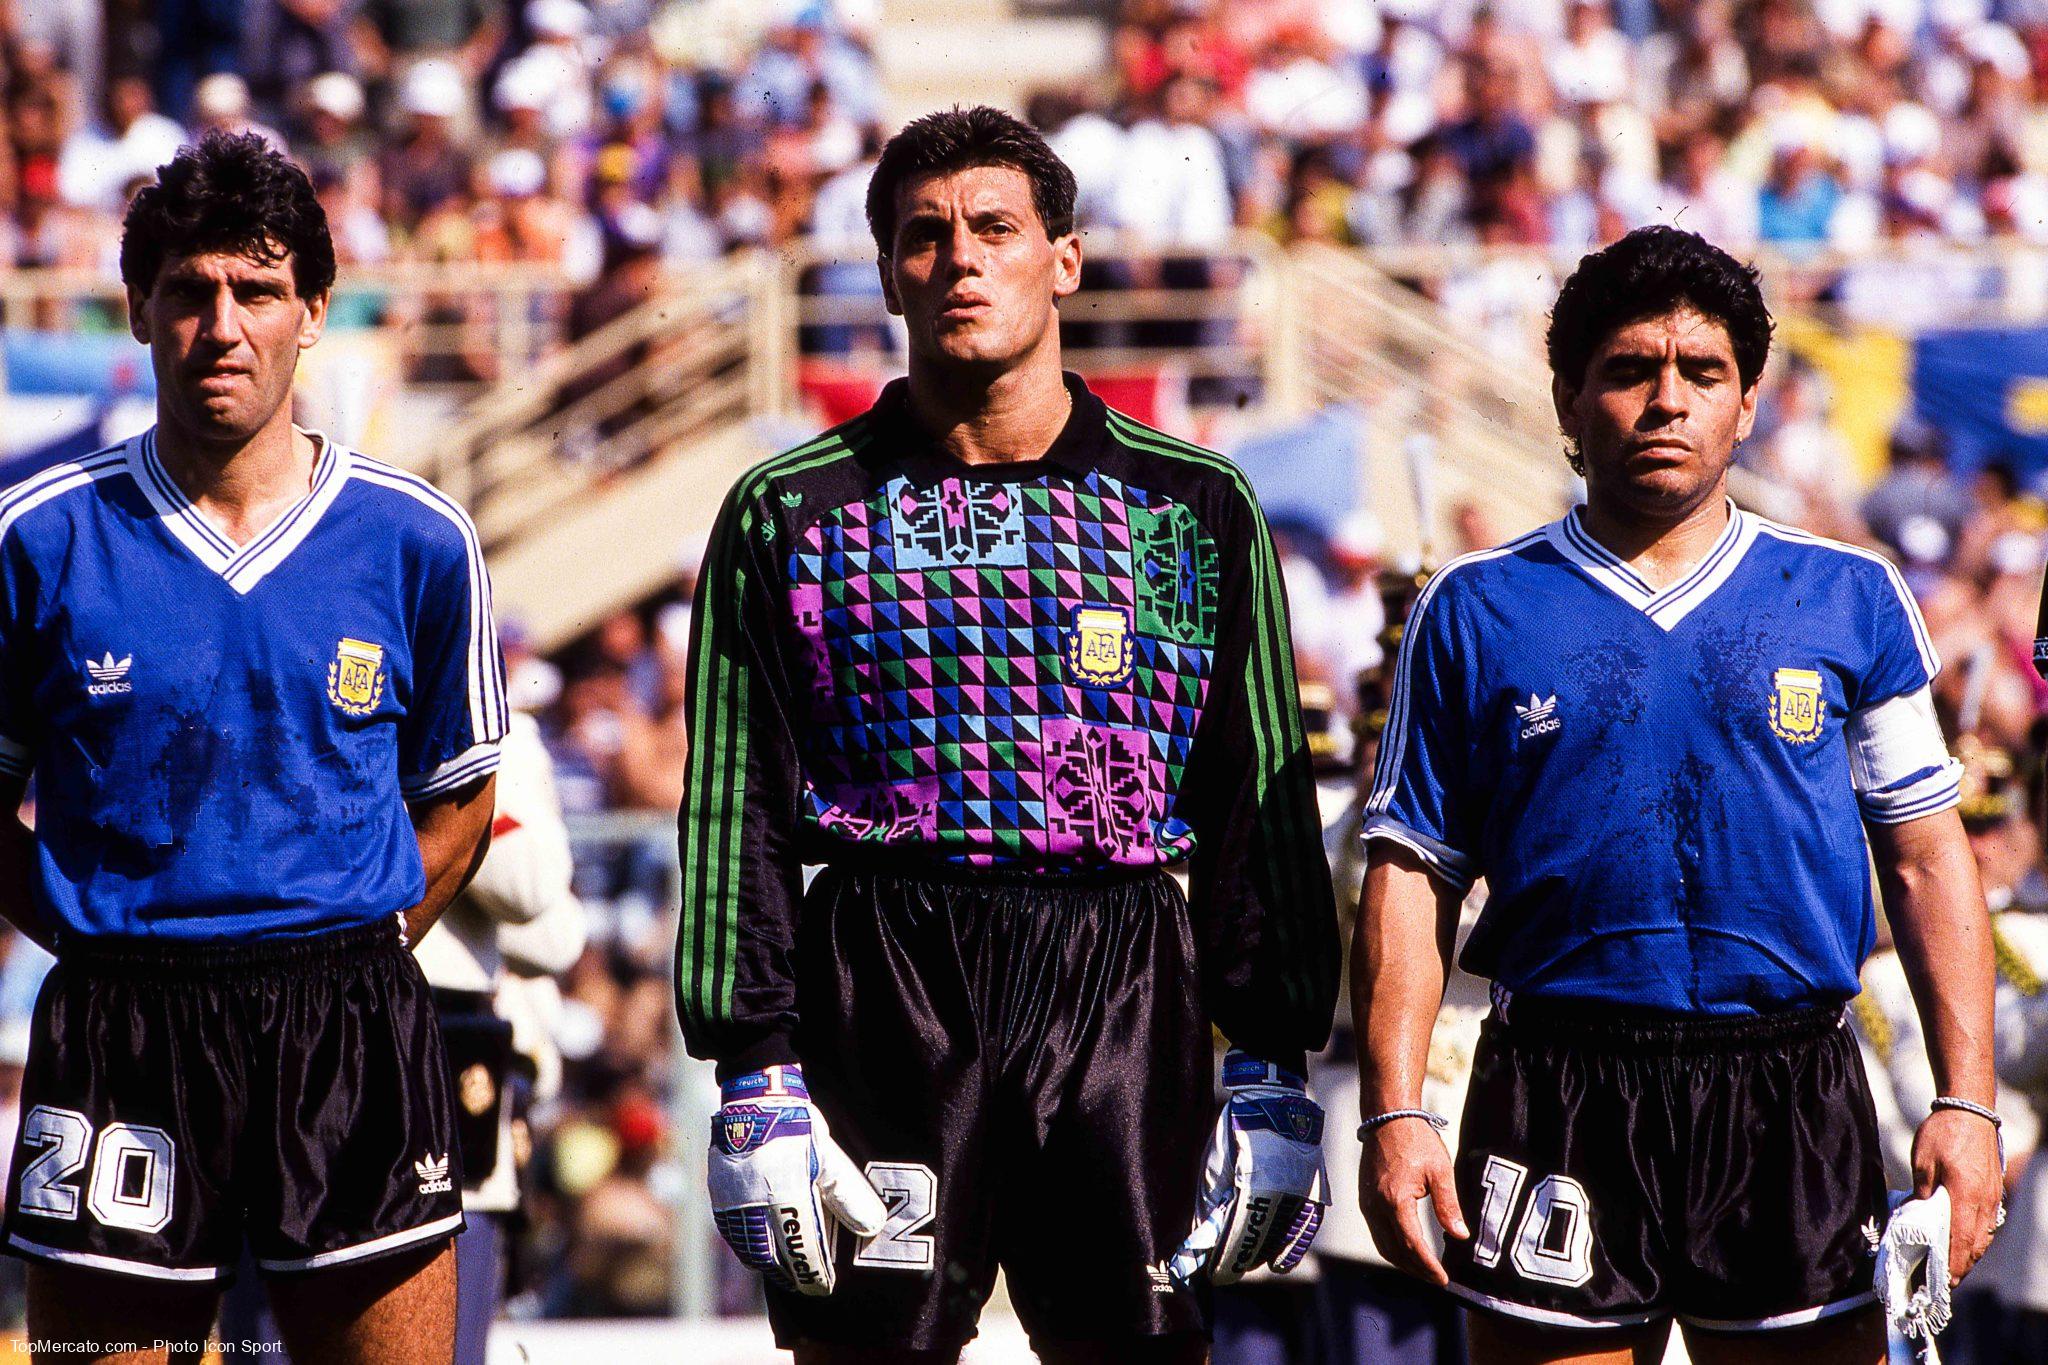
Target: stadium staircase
[(617, 449), (1447, 420)]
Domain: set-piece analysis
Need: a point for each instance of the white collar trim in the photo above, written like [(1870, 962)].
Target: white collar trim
[(1670, 605), (244, 566)]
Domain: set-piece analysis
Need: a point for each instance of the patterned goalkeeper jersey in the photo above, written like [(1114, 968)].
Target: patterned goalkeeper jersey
[(1058, 667)]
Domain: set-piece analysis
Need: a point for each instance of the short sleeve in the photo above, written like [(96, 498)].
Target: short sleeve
[(1902, 658), (456, 716), (1418, 789)]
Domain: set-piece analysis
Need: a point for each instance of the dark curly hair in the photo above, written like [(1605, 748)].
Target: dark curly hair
[(1651, 271), (956, 139), (233, 193)]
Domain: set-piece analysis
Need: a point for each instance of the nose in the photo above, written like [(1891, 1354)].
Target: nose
[(964, 251), (220, 322), (1667, 396)]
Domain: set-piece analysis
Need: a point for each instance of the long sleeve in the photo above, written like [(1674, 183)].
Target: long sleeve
[(737, 826), (1264, 911)]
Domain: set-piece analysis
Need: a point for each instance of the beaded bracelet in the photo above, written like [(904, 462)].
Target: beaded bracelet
[(1436, 1121)]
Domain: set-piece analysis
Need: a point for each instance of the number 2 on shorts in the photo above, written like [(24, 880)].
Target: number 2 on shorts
[(130, 1186), (1542, 1250), (911, 1192)]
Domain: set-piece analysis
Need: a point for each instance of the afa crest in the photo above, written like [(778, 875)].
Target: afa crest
[(1797, 705), (1099, 649), (355, 680)]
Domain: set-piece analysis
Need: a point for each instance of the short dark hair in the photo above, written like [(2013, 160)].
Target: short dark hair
[(956, 139), (1652, 271), (232, 192)]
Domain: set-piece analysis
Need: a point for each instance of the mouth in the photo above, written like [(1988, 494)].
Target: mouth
[(960, 310)]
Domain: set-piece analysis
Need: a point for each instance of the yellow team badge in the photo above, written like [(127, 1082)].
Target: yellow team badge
[(355, 680), (1797, 706), (1099, 646)]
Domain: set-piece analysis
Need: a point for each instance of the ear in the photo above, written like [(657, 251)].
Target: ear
[(315, 321), (138, 316), (887, 268), (1747, 418), (1066, 265), (1565, 400)]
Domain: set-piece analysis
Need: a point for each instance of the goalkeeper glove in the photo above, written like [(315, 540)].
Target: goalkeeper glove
[(1263, 1185), (779, 1183)]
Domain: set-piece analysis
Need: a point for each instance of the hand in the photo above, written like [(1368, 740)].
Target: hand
[(1405, 1162), (780, 1184), (1958, 1151), (1263, 1189)]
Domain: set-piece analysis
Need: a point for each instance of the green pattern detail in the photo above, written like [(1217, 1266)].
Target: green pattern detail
[(1166, 545)]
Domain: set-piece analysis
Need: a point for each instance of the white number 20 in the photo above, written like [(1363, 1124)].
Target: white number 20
[(912, 1193), (132, 1169), (1542, 1250)]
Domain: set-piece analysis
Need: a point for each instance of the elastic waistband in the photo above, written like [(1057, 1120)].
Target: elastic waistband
[(922, 872), (1604, 1026), (176, 959)]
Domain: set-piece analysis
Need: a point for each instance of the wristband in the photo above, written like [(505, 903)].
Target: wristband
[(1434, 1120), (1990, 1116)]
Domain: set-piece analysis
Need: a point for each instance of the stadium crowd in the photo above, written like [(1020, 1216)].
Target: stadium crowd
[(1562, 123)]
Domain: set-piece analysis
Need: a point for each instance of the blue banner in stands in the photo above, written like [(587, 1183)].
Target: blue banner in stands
[(1986, 389), (108, 364)]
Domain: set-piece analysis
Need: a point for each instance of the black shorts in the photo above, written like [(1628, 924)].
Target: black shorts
[(1617, 1168), (180, 1098), (1024, 1071)]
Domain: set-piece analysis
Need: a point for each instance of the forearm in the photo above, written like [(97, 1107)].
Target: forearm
[(454, 833), (1943, 935), (18, 882), (1400, 956)]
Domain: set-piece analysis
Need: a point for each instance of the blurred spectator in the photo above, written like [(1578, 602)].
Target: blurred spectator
[(426, 167), (220, 103), (97, 165)]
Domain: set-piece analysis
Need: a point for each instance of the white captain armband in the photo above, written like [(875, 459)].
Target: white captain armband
[(1899, 762)]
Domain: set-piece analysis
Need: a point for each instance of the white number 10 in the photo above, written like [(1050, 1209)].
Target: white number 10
[(1541, 1249)]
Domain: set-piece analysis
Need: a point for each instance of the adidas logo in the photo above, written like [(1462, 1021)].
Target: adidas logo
[(433, 1174), (1539, 717), (108, 677)]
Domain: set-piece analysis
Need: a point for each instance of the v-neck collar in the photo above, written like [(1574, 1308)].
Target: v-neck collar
[(1666, 608), (242, 567)]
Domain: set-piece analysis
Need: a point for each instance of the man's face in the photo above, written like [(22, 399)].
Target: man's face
[(971, 272), (224, 334), (1659, 414)]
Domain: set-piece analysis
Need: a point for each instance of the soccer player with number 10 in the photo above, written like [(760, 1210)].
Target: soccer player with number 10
[(1670, 734)]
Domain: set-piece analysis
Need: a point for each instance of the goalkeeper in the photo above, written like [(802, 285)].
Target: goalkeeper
[(998, 657)]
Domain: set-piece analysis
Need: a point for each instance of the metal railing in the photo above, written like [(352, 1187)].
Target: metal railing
[(457, 330), (1905, 285)]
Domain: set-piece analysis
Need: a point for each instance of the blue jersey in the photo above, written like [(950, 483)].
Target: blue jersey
[(1656, 785), (224, 738)]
